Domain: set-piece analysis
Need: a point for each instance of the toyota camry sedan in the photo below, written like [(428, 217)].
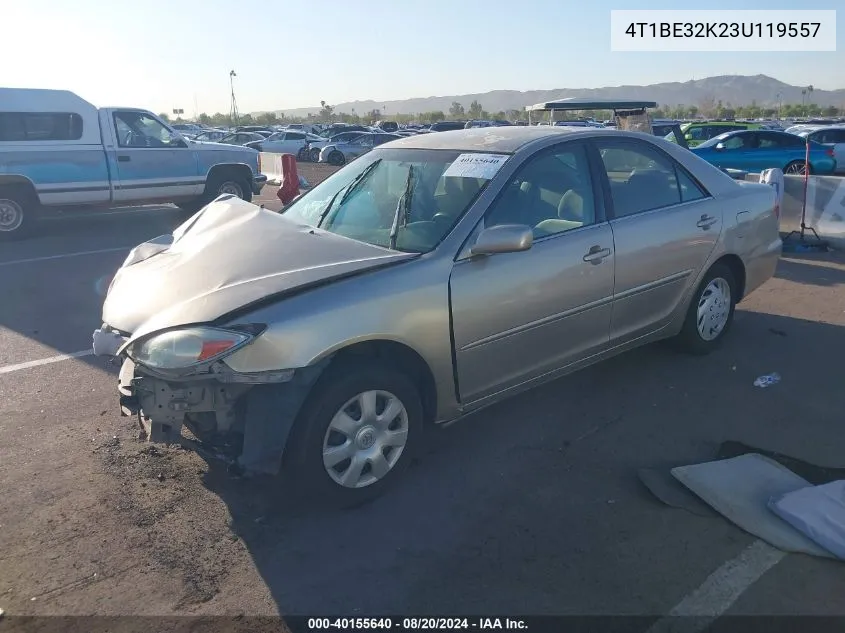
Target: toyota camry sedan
[(434, 275)]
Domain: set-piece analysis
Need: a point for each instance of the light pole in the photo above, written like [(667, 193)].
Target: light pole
[(780, 102), (233, 112)]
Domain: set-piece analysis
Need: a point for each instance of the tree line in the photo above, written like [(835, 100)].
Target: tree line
[(708, 108)]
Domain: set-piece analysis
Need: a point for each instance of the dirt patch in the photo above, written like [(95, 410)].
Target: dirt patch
[(162, 491)]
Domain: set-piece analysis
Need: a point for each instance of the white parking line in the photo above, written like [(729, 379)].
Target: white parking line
[(8, 369), (64, 255), (720, 590)]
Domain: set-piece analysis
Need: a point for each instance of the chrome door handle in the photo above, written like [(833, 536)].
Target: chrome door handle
[(596, 254), (706, 222)]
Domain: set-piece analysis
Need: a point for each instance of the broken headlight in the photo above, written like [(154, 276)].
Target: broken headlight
[(185, 347)]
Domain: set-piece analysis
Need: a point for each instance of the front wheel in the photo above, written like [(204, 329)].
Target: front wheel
[(356, 433), (336, 158), (795, 168), (710, 313), (314, 155)]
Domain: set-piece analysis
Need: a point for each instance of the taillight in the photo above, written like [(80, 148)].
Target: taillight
[(829, 151)]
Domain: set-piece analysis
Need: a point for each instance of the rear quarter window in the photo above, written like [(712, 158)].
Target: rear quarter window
[(40, 126)]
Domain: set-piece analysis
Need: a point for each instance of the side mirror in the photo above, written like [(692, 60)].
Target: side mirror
[(719, 147), (503, 238), (688, 137)]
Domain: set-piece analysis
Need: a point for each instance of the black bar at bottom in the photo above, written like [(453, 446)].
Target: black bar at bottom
[(526, 624)]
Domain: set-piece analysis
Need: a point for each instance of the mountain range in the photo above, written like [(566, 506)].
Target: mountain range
[(736, 90)]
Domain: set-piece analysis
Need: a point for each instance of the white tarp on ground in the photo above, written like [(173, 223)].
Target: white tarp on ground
[(740, 489), (818, 512)]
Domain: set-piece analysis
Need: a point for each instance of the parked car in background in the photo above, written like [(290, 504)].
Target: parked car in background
[(315, 146), (697, 132), (285, 143), (832, 135), (438, 274), (188, 130), (241, 138), (211, 136), (342, 153), (445, 126), (258, 129), (57, 151), (756, 150), (387, 126)]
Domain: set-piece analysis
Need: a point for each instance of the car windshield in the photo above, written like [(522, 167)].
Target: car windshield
[(363, 200)]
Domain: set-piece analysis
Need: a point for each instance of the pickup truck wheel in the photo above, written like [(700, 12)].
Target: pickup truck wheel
[(710, 313), (16, 211), (356, 433)]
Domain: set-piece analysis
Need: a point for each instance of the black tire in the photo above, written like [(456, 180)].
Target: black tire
[(18, 207), (314, 155), (796, 168), (337, 386), (690, 340), (228, 183), (302, 154), (336, 158)]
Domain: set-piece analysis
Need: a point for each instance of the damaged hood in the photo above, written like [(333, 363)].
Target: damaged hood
[(231, 254)]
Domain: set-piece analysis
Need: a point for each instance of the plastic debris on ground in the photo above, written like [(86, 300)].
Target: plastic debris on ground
[(818, 512), (768, 380)]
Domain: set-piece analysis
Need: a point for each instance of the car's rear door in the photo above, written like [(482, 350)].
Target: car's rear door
[(519, 316), (665, 225)]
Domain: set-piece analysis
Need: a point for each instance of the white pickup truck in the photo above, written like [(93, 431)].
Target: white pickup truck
[(58, 150)]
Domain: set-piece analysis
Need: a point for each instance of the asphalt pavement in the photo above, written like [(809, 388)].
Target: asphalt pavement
[(532, 506)]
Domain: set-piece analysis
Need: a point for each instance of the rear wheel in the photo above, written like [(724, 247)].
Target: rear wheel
[(710, 313), (795, 168), (17, 210), (356, 433)]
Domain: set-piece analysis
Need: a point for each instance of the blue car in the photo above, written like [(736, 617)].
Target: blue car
[(756, 150)]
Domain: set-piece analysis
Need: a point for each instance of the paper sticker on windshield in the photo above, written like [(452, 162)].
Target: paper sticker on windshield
[(476, 166)]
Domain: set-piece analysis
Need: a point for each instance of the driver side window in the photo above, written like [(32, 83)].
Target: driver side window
[(137, 129), (552, 193)]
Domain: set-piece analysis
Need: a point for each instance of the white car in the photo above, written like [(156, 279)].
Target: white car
[(288, 142), (833, 135)]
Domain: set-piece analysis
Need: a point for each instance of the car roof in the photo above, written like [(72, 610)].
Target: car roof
[(490, 139), (576, 103)]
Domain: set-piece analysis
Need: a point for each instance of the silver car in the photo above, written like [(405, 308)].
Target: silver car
[(433, 276), (341, 153)]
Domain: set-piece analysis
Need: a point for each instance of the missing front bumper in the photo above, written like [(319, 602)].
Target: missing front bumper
[(260, 416)]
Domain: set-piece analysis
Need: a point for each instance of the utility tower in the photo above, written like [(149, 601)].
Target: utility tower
[(233, 111)]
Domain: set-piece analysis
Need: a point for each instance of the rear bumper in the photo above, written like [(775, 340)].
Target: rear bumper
[(761, 267), (258, 182)]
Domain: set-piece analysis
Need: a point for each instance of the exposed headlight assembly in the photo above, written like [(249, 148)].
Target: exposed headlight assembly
[(189, 347)]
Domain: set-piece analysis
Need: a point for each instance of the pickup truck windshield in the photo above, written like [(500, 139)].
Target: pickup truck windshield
[(439, 198)]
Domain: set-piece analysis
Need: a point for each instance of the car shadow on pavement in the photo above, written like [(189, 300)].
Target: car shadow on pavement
[(816, 271), (533, 505)]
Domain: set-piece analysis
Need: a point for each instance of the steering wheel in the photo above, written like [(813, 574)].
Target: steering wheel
[(441, 218)]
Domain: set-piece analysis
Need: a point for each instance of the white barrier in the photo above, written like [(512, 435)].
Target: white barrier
[(825, 206), (271, 166)]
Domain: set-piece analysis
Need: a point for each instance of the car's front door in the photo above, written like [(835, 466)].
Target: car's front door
[(665, 225), (152, 162), (359, 147), (518, 316)]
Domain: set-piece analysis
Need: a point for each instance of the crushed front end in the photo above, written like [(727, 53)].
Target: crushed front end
[(178, 379)]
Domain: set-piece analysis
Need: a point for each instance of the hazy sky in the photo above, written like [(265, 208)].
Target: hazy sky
[(165, 54)]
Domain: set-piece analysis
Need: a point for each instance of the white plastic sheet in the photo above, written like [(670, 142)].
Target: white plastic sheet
[(818, 512)]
